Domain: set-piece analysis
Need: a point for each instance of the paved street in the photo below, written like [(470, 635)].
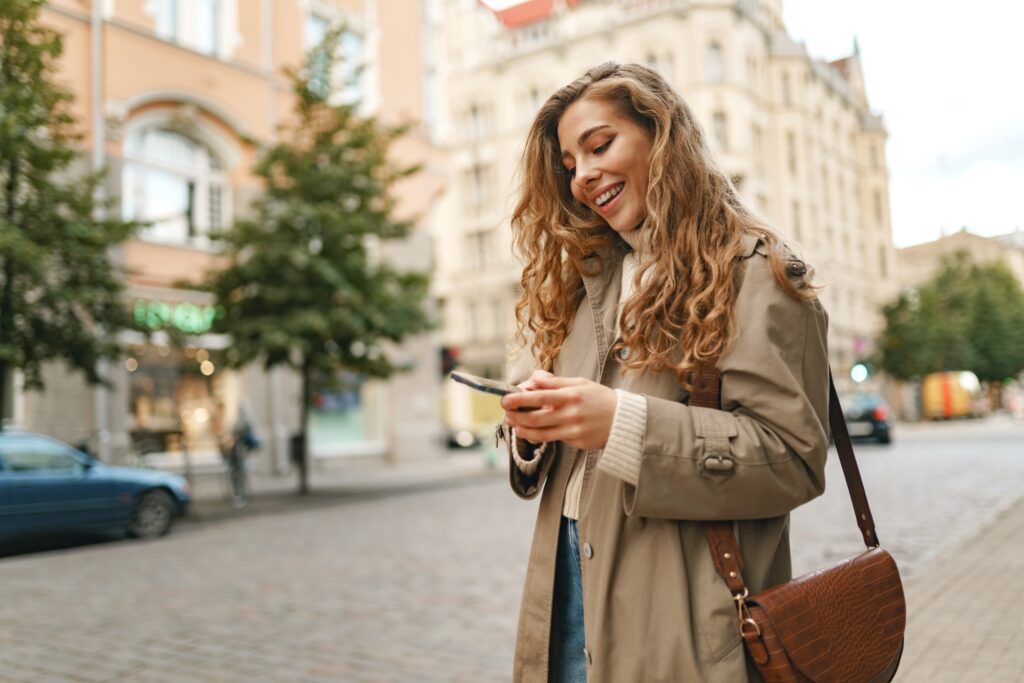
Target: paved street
[(419, 587)]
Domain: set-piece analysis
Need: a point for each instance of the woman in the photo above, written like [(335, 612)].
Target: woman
[(641, 264)]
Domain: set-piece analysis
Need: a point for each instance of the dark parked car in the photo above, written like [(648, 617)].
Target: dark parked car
[(867, 417), (47, 486)]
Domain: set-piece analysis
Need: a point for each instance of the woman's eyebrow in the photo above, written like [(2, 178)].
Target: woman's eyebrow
[(583, 137)]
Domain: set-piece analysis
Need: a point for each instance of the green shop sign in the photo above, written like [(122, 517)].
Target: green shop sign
[(186, 317)]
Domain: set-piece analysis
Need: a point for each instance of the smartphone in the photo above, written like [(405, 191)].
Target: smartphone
[(489, 385), (483, 384)]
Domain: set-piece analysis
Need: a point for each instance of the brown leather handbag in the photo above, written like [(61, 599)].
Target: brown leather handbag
[(843, 623)]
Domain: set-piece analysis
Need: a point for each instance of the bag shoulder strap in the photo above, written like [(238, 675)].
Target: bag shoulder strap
[(721, 539)]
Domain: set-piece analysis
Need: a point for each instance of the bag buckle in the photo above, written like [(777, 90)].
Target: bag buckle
[(743, 613)]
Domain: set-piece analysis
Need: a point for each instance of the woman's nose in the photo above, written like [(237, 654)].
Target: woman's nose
[(587, 175)]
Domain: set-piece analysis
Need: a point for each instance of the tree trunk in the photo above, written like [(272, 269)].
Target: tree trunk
[(3, 393), (7, 294), (303, 460)]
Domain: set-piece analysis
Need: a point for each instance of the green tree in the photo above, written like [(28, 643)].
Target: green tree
[(967, 317), (304, 286), (61, 298)]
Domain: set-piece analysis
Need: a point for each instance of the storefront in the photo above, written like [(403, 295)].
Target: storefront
[(181, 406)]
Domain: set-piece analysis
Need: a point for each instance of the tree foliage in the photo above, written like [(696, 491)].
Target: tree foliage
[(969, 316), (61, 297), (305, 286)]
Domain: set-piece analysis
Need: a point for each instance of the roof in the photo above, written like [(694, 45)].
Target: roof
[(528, 11)]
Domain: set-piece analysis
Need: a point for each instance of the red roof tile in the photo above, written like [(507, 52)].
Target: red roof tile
[(528, 12)]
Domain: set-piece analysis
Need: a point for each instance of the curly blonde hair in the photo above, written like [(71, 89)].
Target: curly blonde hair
[(683, 312)]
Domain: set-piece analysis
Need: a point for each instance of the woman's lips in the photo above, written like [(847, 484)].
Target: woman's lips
[(610, 205)]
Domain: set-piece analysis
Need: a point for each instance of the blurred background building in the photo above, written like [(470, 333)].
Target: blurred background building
[(920, 262), (797, 135), (170, 94)]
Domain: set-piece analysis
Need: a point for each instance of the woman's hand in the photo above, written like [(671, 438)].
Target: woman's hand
[(570, 409)]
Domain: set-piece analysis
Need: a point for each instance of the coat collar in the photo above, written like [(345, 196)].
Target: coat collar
[(604, 288)]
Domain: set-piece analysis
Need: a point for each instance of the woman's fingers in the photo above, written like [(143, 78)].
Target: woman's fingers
[(538, 398)]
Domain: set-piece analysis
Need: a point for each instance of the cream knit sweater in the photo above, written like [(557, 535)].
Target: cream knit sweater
[(621, 454)]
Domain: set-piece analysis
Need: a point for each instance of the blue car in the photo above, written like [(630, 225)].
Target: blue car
[(47, 486)]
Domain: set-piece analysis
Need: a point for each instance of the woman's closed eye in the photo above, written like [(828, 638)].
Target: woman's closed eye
[(602, 148)]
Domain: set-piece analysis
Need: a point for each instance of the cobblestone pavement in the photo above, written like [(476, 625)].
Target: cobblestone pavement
[(421, 587)]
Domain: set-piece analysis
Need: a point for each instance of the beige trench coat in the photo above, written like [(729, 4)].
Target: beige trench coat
[(654, 608)]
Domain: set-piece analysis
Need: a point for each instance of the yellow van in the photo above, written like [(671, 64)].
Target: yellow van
[(950, 394)]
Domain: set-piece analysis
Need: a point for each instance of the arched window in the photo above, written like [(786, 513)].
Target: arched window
[(715, 64), (175, 184)]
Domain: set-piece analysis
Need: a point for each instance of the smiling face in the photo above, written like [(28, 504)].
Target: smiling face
[(608, 157)]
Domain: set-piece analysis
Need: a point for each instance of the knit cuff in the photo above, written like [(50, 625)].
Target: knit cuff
[(622, 453), (527, 467)]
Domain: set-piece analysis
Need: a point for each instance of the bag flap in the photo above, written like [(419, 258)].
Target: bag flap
[(840, 624)]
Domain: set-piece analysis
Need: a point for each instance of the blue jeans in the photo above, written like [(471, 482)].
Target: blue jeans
[(569, 665)]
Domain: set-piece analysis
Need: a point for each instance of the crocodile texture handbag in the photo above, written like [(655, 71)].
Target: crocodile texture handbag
[(844, 623)]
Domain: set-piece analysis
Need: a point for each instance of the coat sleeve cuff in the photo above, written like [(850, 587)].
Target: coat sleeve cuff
[(529, 464), (623, 452)]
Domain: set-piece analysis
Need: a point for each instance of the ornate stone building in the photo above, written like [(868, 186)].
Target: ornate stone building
[(168, 93), (797, 135)]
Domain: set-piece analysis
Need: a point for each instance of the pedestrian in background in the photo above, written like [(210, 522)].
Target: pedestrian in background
[(641, 262)]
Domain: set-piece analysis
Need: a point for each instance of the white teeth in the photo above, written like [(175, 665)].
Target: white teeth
[(607, 196)]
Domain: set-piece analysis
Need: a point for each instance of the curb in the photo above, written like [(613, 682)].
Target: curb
[(215, 510)]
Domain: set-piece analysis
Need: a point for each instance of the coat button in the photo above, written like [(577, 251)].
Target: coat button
[(624, 352), (586, 654), (588, 551)]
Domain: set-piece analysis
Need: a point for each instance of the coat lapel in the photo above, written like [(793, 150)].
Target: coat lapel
[(603, 291)]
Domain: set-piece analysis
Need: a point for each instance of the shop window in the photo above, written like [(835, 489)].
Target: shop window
[(178, 401), (175, 184), (338, 413)]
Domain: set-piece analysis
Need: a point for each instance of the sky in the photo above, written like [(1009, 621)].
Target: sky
[(942, 75)]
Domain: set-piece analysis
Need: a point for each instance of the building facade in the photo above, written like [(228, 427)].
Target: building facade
[(796, 134), (169, 94), (918, 263)]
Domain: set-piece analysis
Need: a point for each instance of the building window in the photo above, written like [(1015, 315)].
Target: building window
[(715, 64), (758, 146), (877, 201), (175, 184), (824, 188), (478, 122), (478, 249), (474, 321), (197, 24), (796, 220), (347, 82), (873, 151), (883, 267), (787, 96), (842, 198), (791, 152), (477, 185), (721, 130), (178, 400)]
